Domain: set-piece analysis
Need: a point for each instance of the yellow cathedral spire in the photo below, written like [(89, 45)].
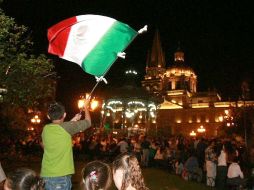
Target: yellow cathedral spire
[(156, 57)]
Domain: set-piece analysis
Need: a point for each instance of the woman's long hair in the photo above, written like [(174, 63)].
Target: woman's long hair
[(132, 174)]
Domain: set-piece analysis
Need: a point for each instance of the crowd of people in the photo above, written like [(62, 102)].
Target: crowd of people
[(217, 162)]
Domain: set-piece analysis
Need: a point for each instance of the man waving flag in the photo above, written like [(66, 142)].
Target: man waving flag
[(92, 41)]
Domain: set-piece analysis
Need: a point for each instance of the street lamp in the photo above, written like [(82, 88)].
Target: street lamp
[(201, 129), (193, 134), (93, 104), (36, 119), (227, 118)]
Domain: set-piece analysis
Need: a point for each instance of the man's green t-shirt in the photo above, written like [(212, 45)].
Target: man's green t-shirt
[(57, 141)]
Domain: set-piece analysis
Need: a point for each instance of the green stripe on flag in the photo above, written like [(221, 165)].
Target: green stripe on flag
[(104, 54)]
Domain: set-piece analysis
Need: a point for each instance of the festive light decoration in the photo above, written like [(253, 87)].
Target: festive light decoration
[(131, 112), (131, 72)]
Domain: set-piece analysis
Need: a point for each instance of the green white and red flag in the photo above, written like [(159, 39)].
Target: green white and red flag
[(92, 41)]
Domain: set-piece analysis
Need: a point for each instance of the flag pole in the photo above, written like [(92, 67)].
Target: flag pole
[(90, 94)]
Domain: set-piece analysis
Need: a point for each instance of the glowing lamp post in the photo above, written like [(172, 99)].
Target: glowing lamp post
[(201, 129), (193, 134), (81, 103), (227, 118), (30, 128), (94, 104), (36, 120)]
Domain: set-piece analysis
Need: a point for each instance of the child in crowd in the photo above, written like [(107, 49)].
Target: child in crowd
[(96, 175), (127, 173), (23, 179)]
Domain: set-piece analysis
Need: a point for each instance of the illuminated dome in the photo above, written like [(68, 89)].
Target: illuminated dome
[(180, 76), (180, 70)]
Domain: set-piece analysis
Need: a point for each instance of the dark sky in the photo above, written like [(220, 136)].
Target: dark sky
[(216, 36)]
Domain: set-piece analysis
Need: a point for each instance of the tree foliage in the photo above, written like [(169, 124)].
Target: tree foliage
[(29, 79)]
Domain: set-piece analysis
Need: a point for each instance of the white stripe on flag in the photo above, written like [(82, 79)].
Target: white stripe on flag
[(85, 35)]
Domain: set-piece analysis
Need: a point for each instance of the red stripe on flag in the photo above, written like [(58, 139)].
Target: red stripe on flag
[(58, 36)]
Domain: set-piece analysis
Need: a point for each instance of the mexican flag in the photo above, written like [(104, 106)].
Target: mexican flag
[(91, 41)]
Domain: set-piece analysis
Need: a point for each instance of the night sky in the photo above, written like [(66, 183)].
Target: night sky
[(216, 36)]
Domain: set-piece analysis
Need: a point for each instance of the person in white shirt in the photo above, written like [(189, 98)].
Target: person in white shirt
[(159, 157), (222, 169), (235, 174), (210, 157)]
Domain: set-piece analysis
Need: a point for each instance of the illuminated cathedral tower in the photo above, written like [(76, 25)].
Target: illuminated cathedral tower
[(155, 67), (176, 83)]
